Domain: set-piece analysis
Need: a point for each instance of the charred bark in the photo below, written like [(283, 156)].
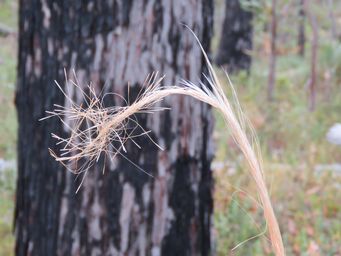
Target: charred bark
[(236, 38), (123, 211), (301, 28)]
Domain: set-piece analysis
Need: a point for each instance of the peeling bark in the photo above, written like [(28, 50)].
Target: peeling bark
[(123, 211)]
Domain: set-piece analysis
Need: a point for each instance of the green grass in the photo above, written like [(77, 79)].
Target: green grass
[(293, 142), (8, 13), (7, 182), (8, 126), (308, 207), (8, 57)]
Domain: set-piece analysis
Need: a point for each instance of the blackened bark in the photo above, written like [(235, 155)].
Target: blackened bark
[(236, 37), (123, 211), (301, 28)]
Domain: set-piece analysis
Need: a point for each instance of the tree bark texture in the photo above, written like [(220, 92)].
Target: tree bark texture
[(236, 37), (123, 211)]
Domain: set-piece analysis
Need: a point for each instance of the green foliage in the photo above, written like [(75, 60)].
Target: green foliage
[(256, 6), (7, 183), (235, 226), (8, 13), (330, 59), (8, 126), (8, 56)]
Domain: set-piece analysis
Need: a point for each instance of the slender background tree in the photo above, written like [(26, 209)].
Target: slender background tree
[(236, 37), (272, 61), (301, 28), (123, 211), (313, 62)]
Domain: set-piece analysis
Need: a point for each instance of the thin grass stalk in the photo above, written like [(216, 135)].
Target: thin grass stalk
[(108, 124)]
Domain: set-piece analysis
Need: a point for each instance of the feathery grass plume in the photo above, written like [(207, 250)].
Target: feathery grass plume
[(107, 132), (95, 130)]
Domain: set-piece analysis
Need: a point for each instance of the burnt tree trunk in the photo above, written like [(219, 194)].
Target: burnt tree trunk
[(301, 28), (236, 38), (123, 211)]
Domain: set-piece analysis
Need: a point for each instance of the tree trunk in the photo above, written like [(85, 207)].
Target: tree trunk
[(236, 37), (301, 28), (123, 211), (272, 63), (313, 63)]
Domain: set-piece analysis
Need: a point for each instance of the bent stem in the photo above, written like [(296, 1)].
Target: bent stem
[(106, 125)]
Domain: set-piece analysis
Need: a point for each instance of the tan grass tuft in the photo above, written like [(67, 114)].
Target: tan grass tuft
[(107, 125)]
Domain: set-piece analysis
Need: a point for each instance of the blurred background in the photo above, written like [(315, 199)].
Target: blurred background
[(286, 68)]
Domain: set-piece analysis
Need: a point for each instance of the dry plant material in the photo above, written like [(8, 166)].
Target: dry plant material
[(106, 130)]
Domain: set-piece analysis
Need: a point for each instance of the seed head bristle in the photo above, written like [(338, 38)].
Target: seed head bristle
[(95, 129)]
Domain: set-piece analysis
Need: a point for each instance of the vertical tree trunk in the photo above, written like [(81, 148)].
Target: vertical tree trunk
[(314, 48), (272, 63), (123, 211), (301, 28), (236, 37)]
